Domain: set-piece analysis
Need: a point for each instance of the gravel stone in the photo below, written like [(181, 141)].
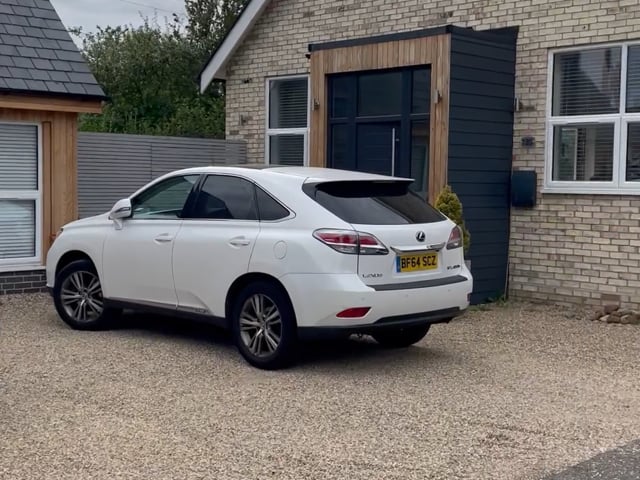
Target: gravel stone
[(507, 392)]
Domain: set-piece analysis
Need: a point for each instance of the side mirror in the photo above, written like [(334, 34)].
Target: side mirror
[(120, 211)]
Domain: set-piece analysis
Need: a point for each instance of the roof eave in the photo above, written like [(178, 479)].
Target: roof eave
[(216, 67)]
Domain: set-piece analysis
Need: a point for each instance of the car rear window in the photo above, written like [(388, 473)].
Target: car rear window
[(373, 202)]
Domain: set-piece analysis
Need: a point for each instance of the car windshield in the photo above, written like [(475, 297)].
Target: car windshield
[(366, 202)]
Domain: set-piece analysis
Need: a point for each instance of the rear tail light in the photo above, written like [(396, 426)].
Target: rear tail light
[(455, 239), (356, 312), (351, 242)]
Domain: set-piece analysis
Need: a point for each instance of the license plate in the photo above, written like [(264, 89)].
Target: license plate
[(416, 262)]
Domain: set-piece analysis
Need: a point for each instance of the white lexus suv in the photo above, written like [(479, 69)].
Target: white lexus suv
[(277, 255)]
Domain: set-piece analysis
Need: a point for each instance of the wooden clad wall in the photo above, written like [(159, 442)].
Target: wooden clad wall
[(432, 50), (59, 164)]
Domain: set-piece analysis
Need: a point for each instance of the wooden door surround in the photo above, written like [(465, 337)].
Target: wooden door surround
[(433, 50)]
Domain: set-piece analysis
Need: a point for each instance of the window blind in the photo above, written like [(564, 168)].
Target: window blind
[(18, 157), (17, 229), (288, 101), (587, 82)]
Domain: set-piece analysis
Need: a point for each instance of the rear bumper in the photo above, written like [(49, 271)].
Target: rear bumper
[(399, 321), (317, 299)]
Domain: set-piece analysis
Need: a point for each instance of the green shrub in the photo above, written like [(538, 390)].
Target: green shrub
[(449, 204)]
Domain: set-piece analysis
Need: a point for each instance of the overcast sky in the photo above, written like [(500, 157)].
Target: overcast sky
[(89, 13)]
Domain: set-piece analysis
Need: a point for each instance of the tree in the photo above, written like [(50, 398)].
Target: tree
[(150, 73), (208, 21)]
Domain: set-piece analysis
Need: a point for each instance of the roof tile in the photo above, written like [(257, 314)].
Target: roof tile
[(37, 22), (31, 42), (27, 52), (34, 32), (45, 4), (77, 88), (23, 62), (69, 56), (23, 11), (22, 21), (39, 74), (36, 85), (6, 9), (6, 61), (10, 39), (92, 89), (16, 83), (59, 76), (80, 77), (15, 30), (19, 72), (8, 50), (47, 53), (55, 34), (69, 46), (62, 66), (42, 64), (57, 87), (46, 14)]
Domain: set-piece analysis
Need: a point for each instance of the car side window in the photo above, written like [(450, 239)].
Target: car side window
[(164, 200), (225, 197), (268, 208)]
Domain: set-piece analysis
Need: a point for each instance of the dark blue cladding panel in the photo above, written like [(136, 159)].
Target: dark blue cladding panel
[(481, 148)]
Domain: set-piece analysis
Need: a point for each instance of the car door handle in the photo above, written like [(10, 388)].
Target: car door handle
[(164, 238), (239, 242)]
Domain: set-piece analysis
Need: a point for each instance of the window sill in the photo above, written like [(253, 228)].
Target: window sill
[(21, 267), (590, 191)]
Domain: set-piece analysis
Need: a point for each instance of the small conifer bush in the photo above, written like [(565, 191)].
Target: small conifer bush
[(449, 204)]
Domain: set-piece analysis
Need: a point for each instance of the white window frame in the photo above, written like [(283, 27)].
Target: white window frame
[(15, 264), (620, 120), (272, 132)]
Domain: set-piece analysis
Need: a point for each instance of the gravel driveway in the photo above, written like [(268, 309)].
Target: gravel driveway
[(515, 392)]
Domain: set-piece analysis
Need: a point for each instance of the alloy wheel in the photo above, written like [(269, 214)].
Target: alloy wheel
[(81, 296), (260, 325)]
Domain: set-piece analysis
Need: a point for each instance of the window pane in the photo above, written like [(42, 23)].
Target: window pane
[(420, 156), (288, 103), (380, 94), (339, 147), (268, 208), (583, 153), (17, 229), (340, 96), (226, 198), (587, 82), (633, 153), (164, 200), (633, 79), (286, 150), (372, 203), (421, 91), (18, 157)]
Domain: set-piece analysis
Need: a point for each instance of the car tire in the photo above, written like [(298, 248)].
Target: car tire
[(77, 295), (264, 327), (401, 337)]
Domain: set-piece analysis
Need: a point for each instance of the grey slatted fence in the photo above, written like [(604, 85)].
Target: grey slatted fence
[(113, 166)]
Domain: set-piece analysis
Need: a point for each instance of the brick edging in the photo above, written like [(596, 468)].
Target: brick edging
[(27, 281)]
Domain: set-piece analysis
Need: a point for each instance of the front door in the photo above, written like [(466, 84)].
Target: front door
[(379, 123), (377, 147)]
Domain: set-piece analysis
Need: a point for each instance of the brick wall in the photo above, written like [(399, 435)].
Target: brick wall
[(569, 249), (31, 281)]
